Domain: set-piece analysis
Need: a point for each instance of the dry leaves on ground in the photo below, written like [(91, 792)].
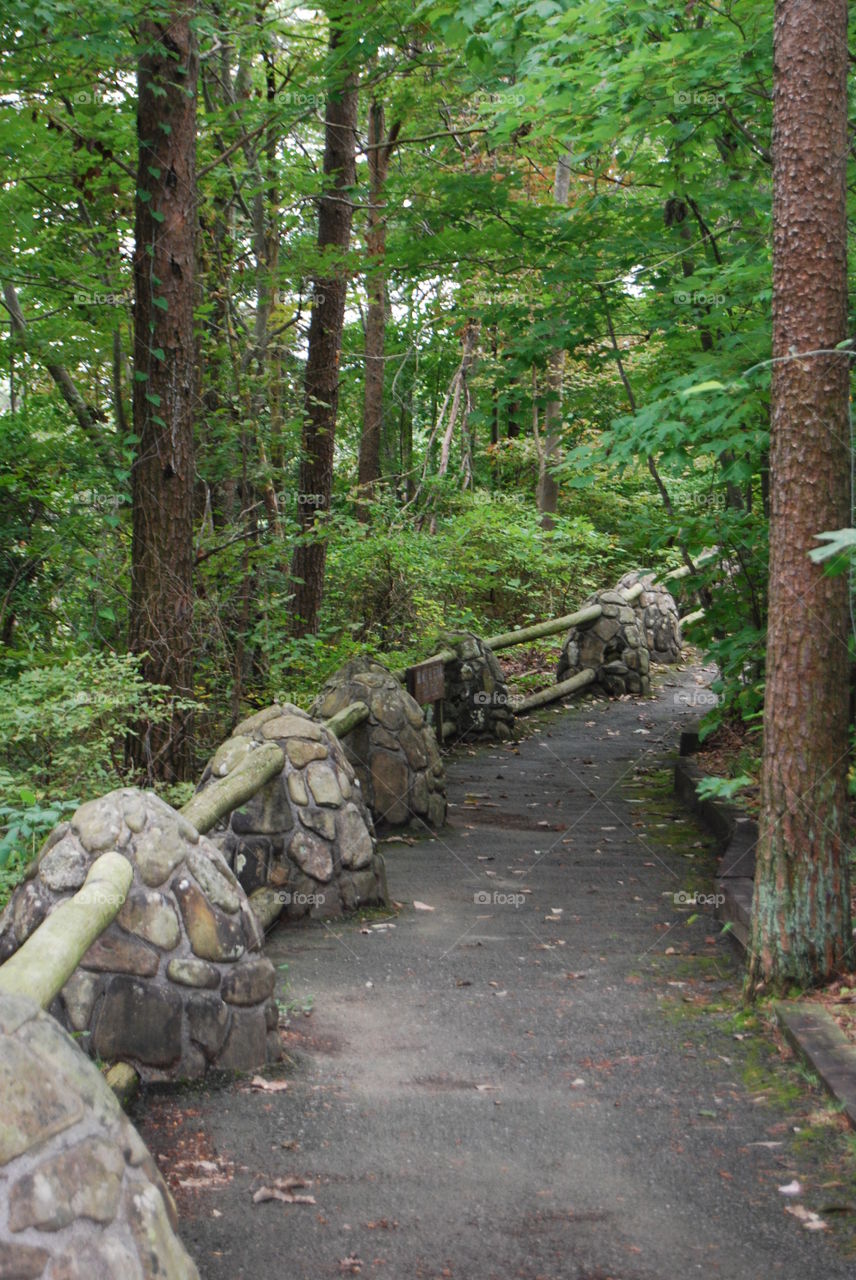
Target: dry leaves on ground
[(282, 1189)]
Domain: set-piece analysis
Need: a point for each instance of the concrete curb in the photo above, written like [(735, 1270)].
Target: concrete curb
[(736, 835), (816, 1037), (811, 1031)]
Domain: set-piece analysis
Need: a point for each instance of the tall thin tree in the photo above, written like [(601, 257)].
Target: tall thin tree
[(164, 398), (321, 385), (801, 916), (380, 150), (547, 489)]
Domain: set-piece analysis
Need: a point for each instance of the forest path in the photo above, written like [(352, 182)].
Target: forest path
[(539, 1083)]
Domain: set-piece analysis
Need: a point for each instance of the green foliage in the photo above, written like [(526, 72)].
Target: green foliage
[(25, 824), (654, 281), (64, 725), (722, 788)]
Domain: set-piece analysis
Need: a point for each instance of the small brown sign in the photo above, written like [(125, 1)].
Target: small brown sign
[(426, 682)]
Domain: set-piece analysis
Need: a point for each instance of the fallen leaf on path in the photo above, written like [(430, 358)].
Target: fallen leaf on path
[(352, 1265), (267, 1086), (282, 1191), (791, 1189), (811, 1221), (486, 1088), (422, 906)]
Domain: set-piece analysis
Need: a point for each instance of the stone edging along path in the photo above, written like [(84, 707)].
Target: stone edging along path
[(810, 1030)]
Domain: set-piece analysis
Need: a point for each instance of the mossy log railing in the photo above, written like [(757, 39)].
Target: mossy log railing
[(555, 691), (347, 719), (540, 629), (42, 965), (207, 807), (536, 632), (689, 618), (684, 571)]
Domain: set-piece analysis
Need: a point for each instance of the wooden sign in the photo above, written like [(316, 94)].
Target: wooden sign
[(426, 682)]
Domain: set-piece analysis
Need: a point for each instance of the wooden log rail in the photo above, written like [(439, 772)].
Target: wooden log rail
[(207, 807), (347, 719), (541, 629), (42, 965), (555, 691)]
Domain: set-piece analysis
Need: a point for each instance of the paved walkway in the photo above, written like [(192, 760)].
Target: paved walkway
[(527, 1080)]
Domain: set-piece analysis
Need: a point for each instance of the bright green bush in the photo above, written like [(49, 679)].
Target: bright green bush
[(64, 726)]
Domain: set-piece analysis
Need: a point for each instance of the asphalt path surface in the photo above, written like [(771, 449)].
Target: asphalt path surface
[(537, 1078)]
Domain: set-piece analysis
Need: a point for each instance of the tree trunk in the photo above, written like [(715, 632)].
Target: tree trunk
[(321, 386), (801, 913), (547, 490), (164, 399), (379, 153)]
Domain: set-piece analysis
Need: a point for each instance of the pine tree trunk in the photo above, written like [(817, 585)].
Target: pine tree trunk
[(164, 396), (801, 917), (380, 150), (321, 386), (547, 490)]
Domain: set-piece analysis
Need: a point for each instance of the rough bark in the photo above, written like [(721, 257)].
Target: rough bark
[(321, 386), (801, 913), (164, 399), (547, 489), (378, 156)]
